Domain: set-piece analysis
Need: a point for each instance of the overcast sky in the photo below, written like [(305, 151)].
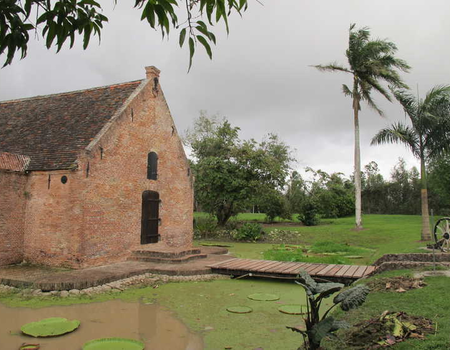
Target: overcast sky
[(260, 76)]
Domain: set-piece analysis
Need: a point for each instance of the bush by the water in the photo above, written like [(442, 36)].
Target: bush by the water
[(248, 232)]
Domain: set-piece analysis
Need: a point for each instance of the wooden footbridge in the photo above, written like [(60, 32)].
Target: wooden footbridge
[(290, 270)]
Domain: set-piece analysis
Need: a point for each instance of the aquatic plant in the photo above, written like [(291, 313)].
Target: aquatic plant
[(317, 328)]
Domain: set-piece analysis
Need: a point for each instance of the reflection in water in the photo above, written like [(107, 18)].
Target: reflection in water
[(151, 324)]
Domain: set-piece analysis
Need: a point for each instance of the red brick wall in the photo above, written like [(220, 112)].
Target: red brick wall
[(95, 218), (13, 198), (53, 219)]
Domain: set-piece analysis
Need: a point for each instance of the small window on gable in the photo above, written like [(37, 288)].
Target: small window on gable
[(152, 166)]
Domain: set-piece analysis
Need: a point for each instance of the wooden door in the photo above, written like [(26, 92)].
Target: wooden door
[(150, 217)]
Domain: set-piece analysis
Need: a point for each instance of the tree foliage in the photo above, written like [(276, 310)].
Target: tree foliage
[(232, 174), (59, 20), (371, 62)]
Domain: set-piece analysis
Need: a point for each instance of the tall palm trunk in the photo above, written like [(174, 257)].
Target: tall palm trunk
[(358, 220), (426, 233)]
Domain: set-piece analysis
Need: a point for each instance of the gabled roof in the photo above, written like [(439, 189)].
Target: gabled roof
[(52, 129)]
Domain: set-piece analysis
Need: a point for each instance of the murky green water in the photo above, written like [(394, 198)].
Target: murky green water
[(151, 324)]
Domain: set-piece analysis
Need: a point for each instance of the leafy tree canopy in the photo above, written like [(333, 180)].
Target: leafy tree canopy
[(231, 174), (62, 20)]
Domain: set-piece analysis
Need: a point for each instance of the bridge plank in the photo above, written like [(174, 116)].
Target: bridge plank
[(268, 267)]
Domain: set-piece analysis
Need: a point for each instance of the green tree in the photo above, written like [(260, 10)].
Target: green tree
[(231, 174), (426, 137), (59, 20), (373, 190), (331, 193), (296, 192), (403, 190), (439, 185), (370, 63)]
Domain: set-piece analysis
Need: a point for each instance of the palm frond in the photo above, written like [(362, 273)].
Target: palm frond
[(368, 98), (346, 90), (407, 100), (373, 83), (400, 134), (332, 67)]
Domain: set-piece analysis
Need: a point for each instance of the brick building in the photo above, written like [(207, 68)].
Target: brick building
[(88, 176)]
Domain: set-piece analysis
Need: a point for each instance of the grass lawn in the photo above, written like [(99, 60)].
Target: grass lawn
[(382, 234)]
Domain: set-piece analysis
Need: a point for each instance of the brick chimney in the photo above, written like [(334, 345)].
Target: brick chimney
[(152, 72)]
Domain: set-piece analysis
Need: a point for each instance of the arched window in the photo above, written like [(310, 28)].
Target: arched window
[(152, 166)]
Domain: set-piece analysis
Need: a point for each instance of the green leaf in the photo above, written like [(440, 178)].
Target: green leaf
[(327, 289), (182, 36), (263, 297), (50, 327), (203, 41), (321, 330), (113, 343), (239, 309), (191, 52), (352, 298)]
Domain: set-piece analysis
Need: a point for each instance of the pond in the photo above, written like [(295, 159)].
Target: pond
[(157, 327), (188, 315)]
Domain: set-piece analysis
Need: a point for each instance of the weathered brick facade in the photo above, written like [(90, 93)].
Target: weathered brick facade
[(93, 215), (13, 197)]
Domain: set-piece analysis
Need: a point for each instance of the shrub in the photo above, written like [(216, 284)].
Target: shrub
[(248, 232), (310, 216), (205, 227)]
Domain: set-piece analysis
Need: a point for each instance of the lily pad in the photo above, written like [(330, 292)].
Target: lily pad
[(292, 309), (239, 309), (263, 297), (50, 327), (29, 347), (113, 344)]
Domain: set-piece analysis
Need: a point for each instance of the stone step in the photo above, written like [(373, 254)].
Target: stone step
[(165, 260), (166, 254)]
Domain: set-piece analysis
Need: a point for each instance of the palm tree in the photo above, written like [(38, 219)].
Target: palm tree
[(427, 137), (370, 63)]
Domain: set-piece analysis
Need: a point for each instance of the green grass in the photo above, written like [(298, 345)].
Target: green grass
[(382, 234), (281, 253)]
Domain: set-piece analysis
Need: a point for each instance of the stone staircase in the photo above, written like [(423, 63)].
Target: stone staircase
[(165, 255)]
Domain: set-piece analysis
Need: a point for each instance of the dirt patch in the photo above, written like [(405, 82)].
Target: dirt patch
[(387, 330), (398, 284)]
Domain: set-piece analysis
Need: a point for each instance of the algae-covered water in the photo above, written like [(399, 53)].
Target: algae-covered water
[(187, 315)]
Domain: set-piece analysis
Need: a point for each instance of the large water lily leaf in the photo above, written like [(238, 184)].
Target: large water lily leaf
[(50, 327), (293, 309), (263, 297), (113, 344), (239, 309)]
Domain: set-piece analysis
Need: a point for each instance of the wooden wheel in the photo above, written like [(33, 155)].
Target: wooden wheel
[(442, 234)]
